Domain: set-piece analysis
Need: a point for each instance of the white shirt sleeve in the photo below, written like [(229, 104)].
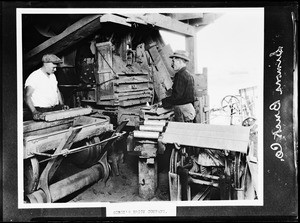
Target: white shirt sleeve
[(32, 80)]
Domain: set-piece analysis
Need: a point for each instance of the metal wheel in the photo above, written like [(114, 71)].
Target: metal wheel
[(31, 175), (87, 157), (249, 121), (231, 104), (174, 161), (177, 158), (240, 170)]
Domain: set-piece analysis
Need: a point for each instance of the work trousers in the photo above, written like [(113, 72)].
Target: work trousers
[(184, 113)]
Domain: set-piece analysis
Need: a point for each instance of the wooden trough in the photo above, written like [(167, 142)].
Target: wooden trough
[(40, 137), (52, 141)]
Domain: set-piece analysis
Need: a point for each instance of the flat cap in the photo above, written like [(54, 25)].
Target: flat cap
[(181, 54), (51, 58)]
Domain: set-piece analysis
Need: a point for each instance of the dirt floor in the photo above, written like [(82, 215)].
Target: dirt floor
[(122, 188)]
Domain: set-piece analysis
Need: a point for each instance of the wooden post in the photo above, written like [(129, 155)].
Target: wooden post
[(147, 167), (190, 44), (202, 101), (147, 177)]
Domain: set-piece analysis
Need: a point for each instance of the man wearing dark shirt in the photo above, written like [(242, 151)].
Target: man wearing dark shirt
[(182, 97)]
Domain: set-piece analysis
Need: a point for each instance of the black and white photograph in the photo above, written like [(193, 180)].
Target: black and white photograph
[(154, 112)]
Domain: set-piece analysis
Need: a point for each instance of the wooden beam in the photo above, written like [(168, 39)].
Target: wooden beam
[(136, 20), (114, 19), (190, 44), (164, 22), (208, 18), (67, 38), (186, 16)]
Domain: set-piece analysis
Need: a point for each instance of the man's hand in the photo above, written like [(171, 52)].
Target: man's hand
[(37, 115)]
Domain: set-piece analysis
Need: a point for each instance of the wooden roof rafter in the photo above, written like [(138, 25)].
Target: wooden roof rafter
[(71, 35), (186, 16), (161, 21), (91, 23)]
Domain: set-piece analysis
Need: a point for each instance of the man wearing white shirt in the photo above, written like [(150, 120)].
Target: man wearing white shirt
[(41, 90)]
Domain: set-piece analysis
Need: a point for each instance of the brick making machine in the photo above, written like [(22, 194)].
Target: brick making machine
[(116, 63), (207, 162), (78, 136), (115, 70)]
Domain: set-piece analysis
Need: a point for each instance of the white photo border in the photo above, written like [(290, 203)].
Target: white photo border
[(22, 205)]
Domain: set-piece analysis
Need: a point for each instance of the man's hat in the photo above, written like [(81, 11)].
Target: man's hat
[(181, 54), (51, 58)]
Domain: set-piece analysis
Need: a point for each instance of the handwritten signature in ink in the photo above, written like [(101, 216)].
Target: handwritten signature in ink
[(277, 134), (278, 53)]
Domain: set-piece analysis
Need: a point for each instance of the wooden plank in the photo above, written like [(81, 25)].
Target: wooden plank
[(131, 87), (134, 96), (164, 22), (200, 83), (165, 53), (104, 77), (29, 126), (191, 45), (87, 120), (114, 19), (186, 16), (232, 138), (202, 110), (207, 112), (108, 102), (197, 109), (46, 142), (73, 34), (136, 20), (210, 134), (134, 102), (105, 85), (104, 56), (162, 78), (48, 130), (133, 79), (205, 142), (133, 93), (233, 129)]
